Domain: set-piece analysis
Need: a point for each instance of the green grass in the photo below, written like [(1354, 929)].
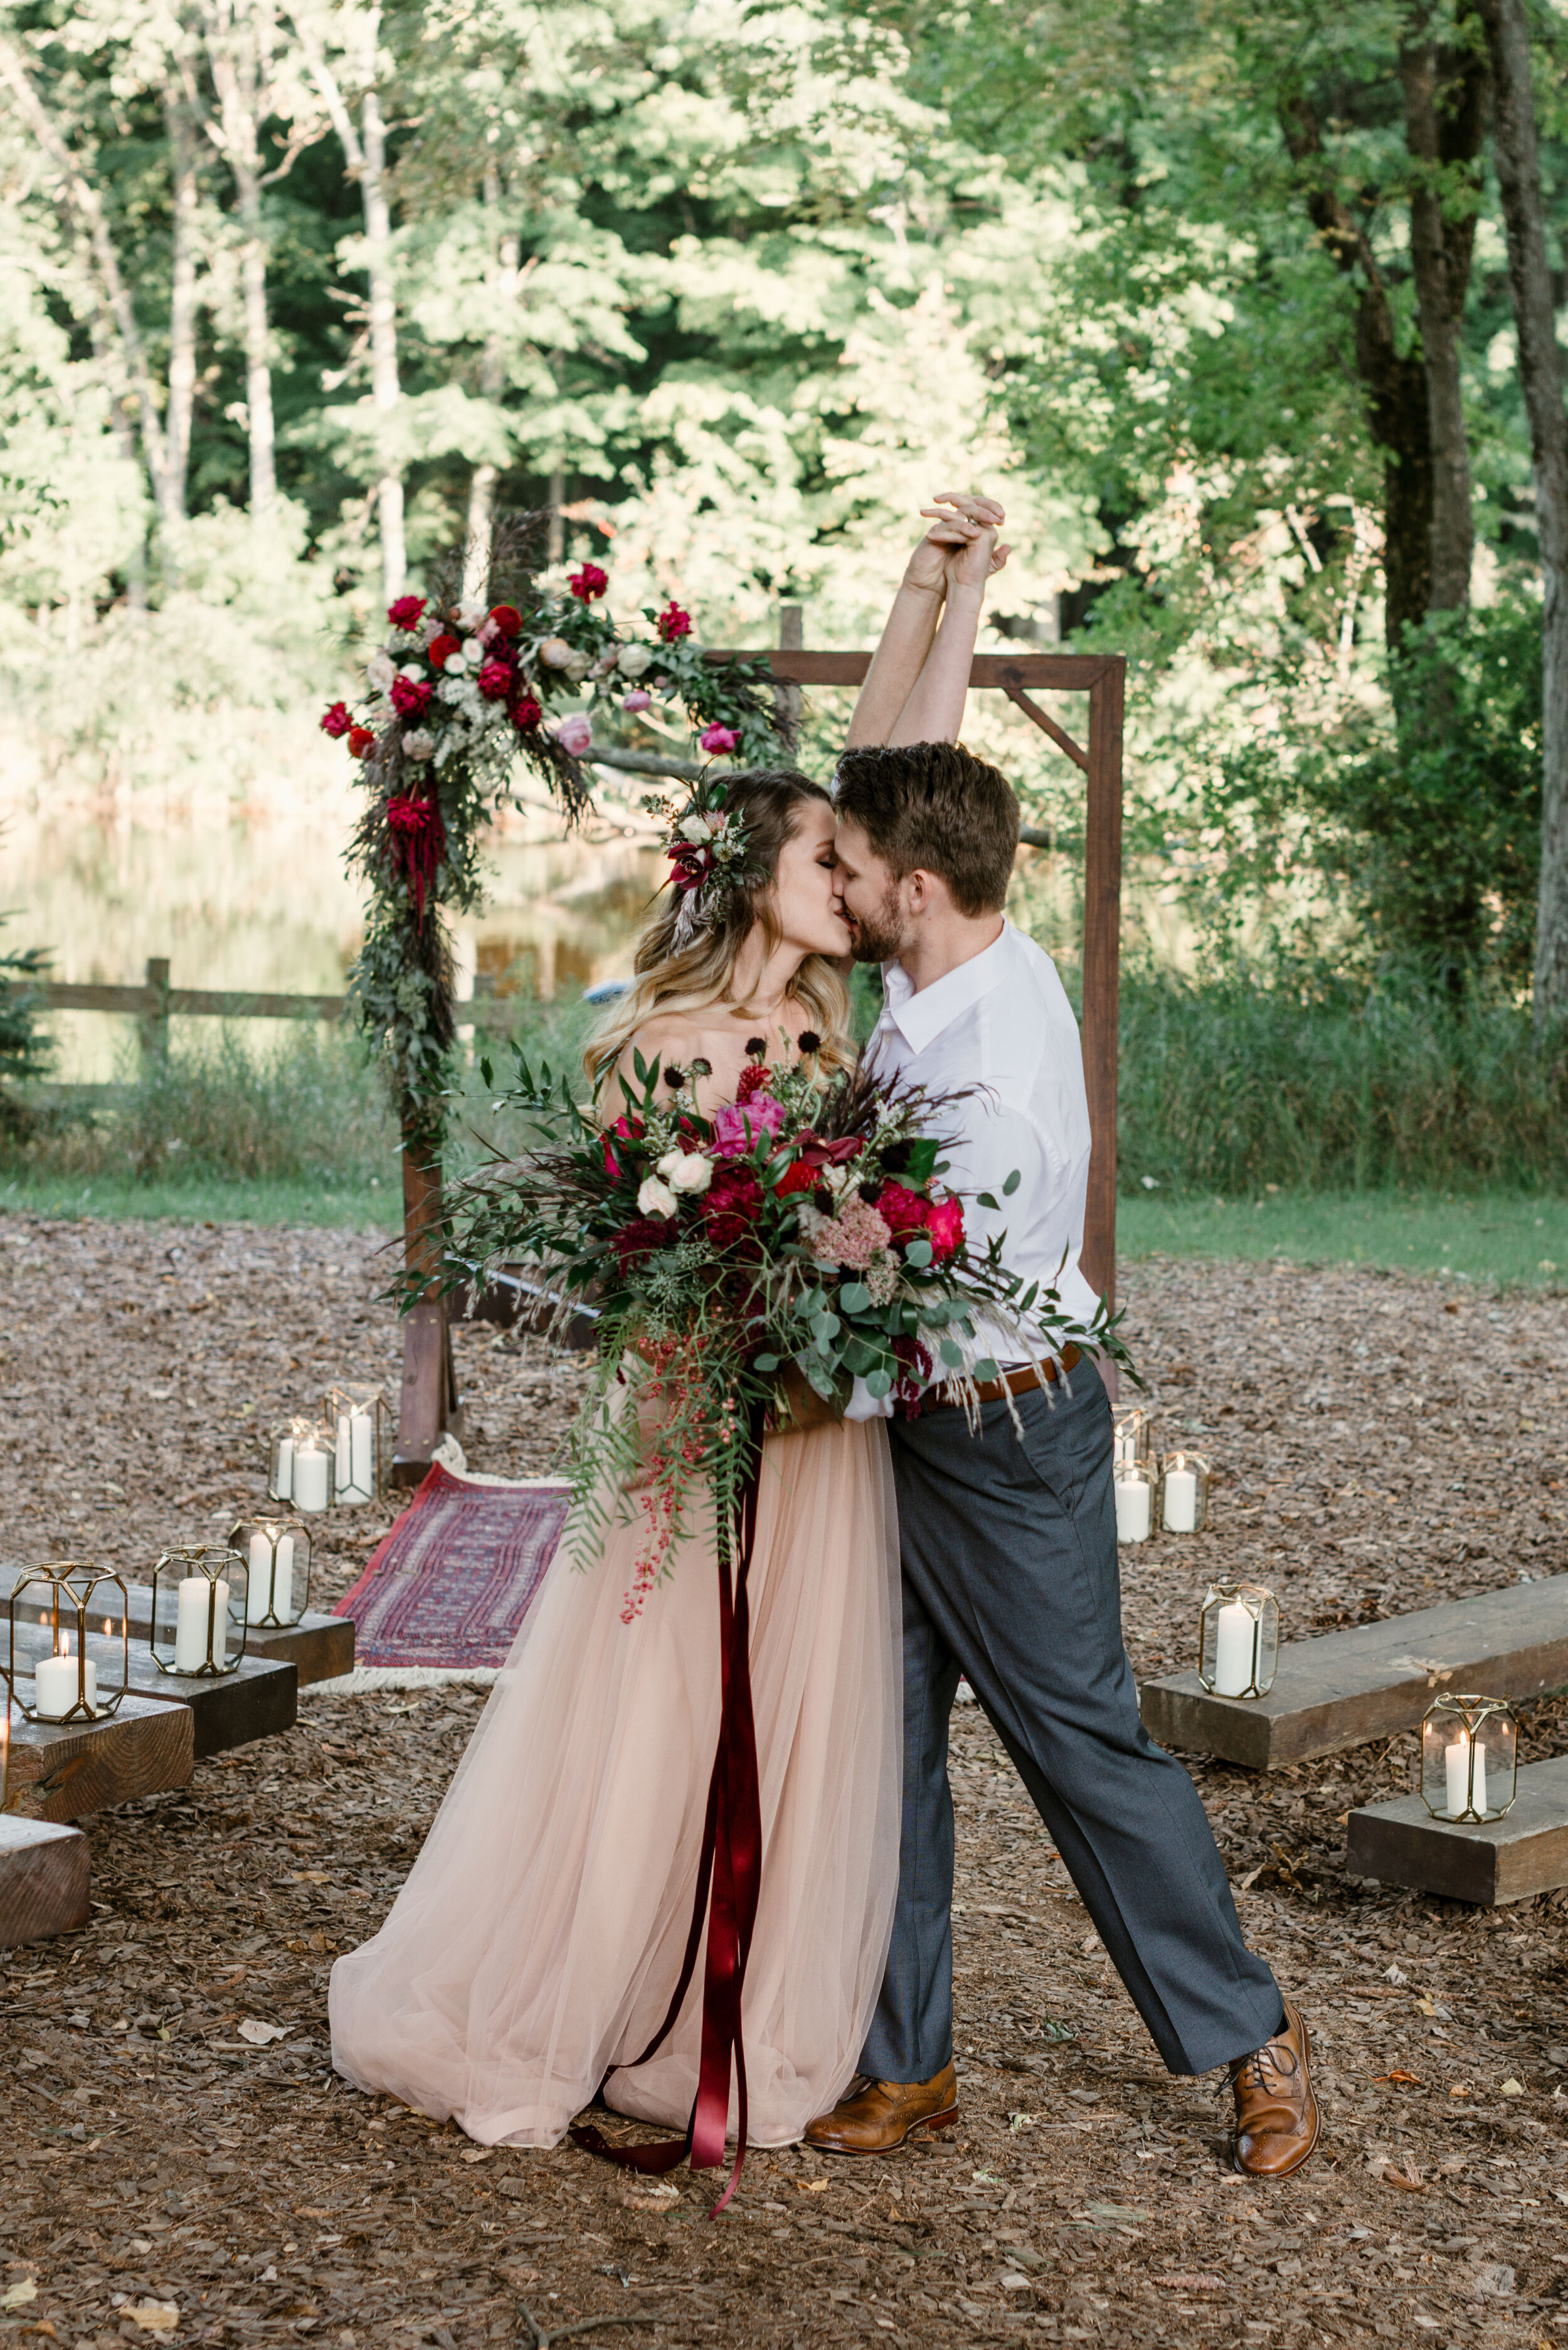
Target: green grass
[(207, 1200), (1499, 1238)]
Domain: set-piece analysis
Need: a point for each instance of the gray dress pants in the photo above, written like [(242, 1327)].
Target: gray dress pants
[(1010, 1579)]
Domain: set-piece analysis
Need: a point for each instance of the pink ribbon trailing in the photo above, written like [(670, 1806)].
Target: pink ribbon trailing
[(730, 1868)]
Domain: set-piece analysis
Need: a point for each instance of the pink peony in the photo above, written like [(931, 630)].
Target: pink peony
[(409, 697), (575, 735), (495, 680), (736, 1129), (852, 1238), (337, 720), (589, 582), (407, 612), (718, 741), (944, 1227), (637, 699)]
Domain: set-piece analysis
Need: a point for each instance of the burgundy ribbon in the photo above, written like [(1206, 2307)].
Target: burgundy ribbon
[(731, 1868)]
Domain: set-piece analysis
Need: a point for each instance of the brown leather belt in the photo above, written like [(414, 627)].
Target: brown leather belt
[(1016, 1383)]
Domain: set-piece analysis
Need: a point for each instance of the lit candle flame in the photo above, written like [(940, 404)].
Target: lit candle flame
[(65, 1644)]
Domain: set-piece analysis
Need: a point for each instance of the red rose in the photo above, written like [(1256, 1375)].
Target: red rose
[(944, 1227), (901, 1210), (409, 697), (508, 619), (587, 583), (337, 720), (672, 622), (640, 1239), (798, 1178), (495, 680), (731, 1207), (631, 1130), (407, 612), (525, 714), (441, 650), (361, 741)]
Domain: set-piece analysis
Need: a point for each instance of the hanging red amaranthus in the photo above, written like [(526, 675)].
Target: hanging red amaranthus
[(419, 837)]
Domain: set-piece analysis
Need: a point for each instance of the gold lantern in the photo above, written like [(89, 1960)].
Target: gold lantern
[(1184, 1493), (1132, 1432), (211, 1594), (1133, 1487), (360, 1420), (277, 1555), (67, 1682), (1237, 1639), (303, 1467), (1469, 1758)]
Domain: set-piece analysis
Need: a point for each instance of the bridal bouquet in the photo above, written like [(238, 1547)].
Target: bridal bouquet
[(800, 1235)]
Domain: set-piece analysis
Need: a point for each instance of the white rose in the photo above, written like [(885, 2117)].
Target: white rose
[(455, 665), (687, 1170), (656, 1199), (472, 650), (415, 669), (697, 829), (579, 667), (633, 659), (418, 745), (379, 671), (556, 653)]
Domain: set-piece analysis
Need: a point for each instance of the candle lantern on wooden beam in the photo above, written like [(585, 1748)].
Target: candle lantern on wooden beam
[(303, 1470), (277, 1555), (361, 1423), (212, 1586), (1237, 1639), (65, 1683), (1184, 1493), (1469, 1758)]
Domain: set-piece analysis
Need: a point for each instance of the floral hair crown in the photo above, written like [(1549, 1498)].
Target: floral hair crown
[(708, 846)]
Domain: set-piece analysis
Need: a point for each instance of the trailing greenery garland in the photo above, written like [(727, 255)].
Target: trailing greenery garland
[(459, 694)]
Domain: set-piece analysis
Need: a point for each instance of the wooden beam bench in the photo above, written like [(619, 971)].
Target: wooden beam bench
[(64, 1770), (1346, 1688), (44, 1873), (257, 1699), (1489, 1863), (318, 1647)]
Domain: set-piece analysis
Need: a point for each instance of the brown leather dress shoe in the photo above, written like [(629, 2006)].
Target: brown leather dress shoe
[(878, 2115), (1276, 2112)]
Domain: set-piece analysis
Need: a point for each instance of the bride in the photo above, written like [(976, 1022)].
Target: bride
[(533, 1953)]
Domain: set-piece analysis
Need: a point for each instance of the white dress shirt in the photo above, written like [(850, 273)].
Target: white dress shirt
[(1001, 1027)]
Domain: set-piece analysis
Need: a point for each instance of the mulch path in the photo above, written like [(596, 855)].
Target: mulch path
[(1380, 1443)]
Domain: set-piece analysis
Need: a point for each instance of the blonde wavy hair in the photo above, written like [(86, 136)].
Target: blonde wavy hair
[(767, 801)]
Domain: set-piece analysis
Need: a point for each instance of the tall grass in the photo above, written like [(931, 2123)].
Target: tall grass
[(1231, 1087)]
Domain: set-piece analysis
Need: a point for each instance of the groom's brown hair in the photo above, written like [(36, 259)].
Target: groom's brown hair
[(936, 807)]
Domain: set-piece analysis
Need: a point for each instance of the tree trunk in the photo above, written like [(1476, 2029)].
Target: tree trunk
[(1540, 375), (384, 387), (492, 382), (237, 81), (184, 198), (1452, 530)]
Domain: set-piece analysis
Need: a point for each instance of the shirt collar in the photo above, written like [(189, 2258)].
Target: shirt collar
[(921, 1018)]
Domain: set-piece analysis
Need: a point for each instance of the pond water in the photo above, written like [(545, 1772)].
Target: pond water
[(259, 900)]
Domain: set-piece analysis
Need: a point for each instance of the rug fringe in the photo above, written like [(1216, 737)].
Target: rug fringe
[(365, 1679)]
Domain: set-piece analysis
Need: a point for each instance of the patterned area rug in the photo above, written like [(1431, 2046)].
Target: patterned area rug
[(444, 1593)]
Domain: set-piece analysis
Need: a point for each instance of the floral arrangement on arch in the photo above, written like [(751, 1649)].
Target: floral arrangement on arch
[(799, 1235), (459, 693)]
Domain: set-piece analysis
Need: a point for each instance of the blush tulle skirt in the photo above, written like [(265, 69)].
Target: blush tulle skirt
[(538, 1940)]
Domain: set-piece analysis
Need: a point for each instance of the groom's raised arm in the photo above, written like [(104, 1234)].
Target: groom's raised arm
[(904, 648)]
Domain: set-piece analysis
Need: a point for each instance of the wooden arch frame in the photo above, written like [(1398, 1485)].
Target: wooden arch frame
[(429, 1400)]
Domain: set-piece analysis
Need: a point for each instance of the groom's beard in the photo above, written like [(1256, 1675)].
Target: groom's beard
[(879, 937)]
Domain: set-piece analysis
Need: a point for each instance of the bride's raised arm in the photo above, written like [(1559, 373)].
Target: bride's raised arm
[(919, 675)]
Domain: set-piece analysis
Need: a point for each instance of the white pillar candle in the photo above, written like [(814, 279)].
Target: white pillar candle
[(344, 1460), (362, 1437), (56, 1686), (196, 1605), (1181, 1501), (1133, 1509), (1235, 1651), (283, 1482), (309, 1478), (1457, 1760), (269, 1588)]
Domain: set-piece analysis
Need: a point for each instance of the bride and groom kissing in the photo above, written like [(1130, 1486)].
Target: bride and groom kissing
[(543, 1930)]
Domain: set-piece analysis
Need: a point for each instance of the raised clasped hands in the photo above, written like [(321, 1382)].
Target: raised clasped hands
[(961, 547)]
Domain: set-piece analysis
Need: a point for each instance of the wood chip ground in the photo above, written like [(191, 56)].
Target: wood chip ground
[(167, 2175)]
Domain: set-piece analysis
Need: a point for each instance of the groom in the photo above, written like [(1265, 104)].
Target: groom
[(1009, 1543)]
